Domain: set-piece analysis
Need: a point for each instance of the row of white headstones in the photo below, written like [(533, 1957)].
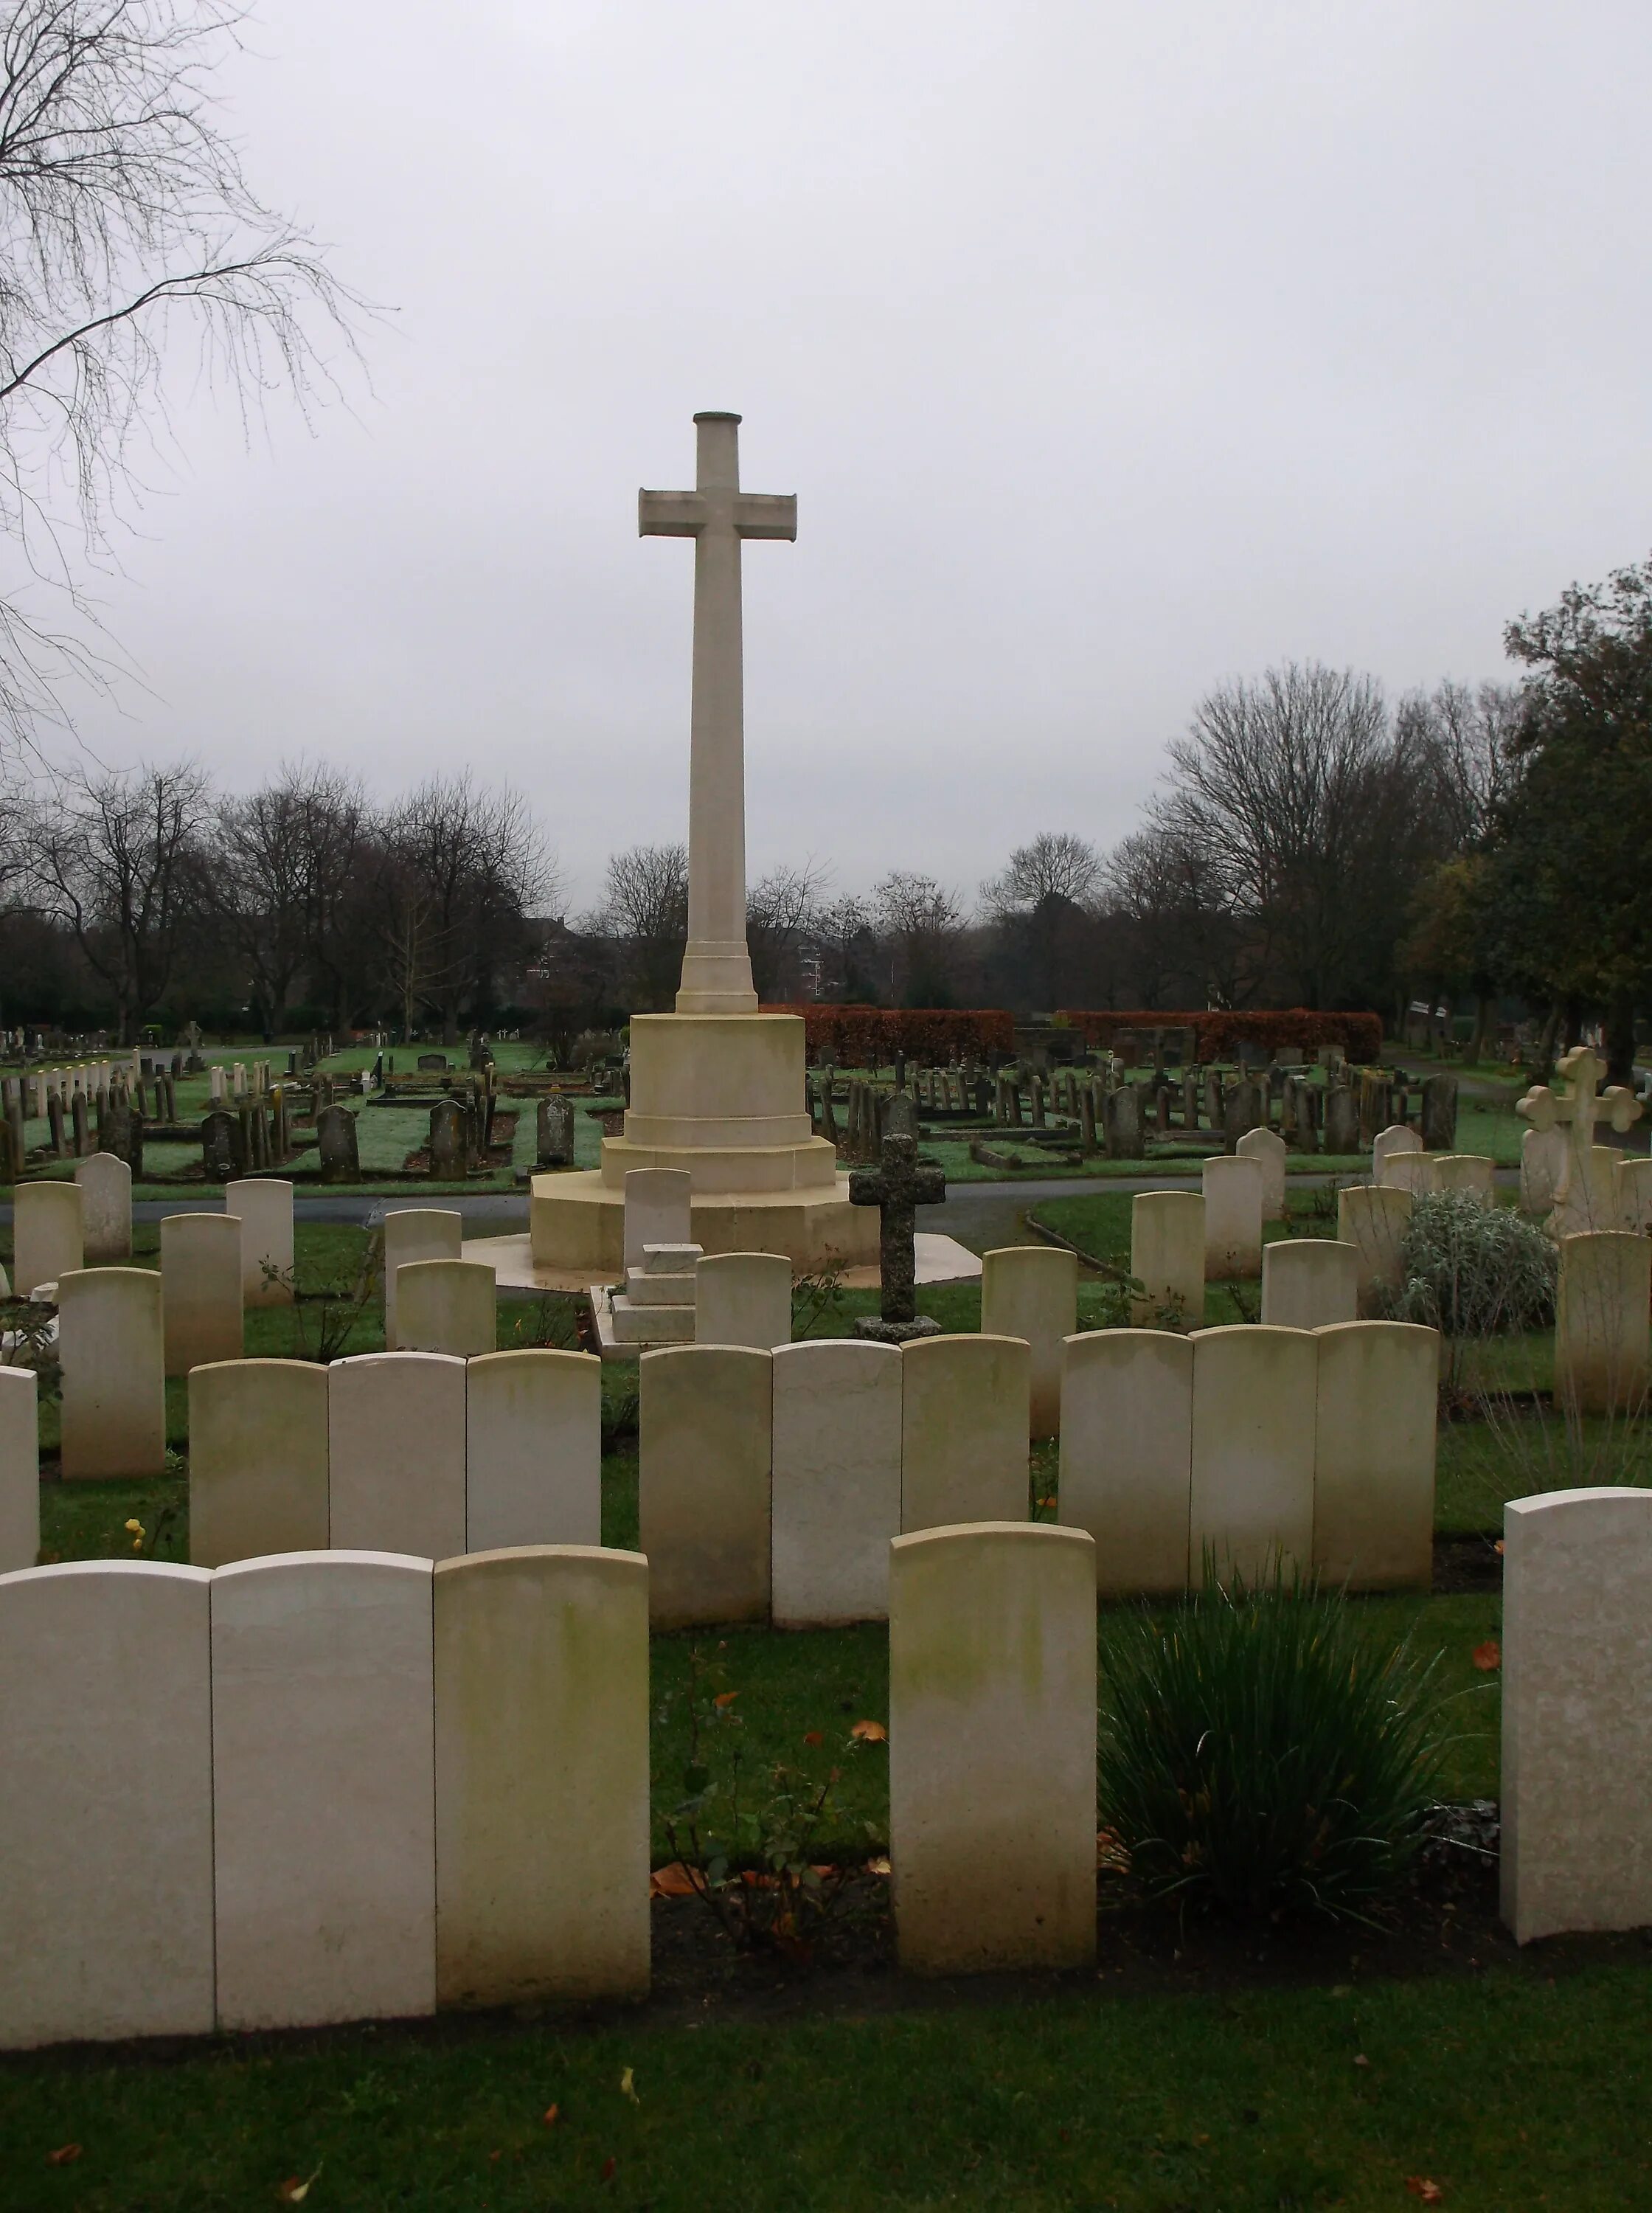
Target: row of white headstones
[(342, 1785)]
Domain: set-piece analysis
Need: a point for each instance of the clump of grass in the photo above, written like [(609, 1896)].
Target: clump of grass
[(1473, 1271), (1262, 1755)]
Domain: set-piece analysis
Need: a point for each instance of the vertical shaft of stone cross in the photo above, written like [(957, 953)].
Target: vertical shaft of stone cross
[(716, 966)]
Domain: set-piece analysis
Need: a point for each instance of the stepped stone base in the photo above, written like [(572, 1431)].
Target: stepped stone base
[(579, 1222)]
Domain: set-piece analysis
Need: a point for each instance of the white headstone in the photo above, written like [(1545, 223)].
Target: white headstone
[(1634, 1185), (263, 1206), (1031, 1291), (201, 1289), (447, 1306), (1267, 1148), (1254, 1394), (743, 1298), (658, 1210), (705, 1430), (1577, 1793), (106, 1816), (1469, 1172), (415, 1233), (1126, 1455), (1373, 1455), (542, 1775), (1396, 1138), (1233, 1217), (396, 1454), (837, 1480), (533, 1450), (257, 1459), (323, 1789), (1374, 1217), (1412, 1172), (964, 1430), (48, 1240), (20, 1469), (105, 1187), (1602, 1358), (1308, 1282), (1167, 1258), (992, 1712), (115, 1385), (1542, 1156)]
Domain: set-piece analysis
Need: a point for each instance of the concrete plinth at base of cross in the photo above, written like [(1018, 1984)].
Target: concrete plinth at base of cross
[(879, 1331)]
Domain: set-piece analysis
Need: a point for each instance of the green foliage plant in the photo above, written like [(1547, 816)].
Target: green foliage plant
[(328, 1310), (1473, 1271), (1263, 1754)]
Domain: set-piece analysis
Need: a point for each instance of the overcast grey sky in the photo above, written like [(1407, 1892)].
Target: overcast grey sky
[(1111, 351)]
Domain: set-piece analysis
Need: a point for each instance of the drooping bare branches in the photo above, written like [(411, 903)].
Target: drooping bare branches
[(644, 908), (127, 228)]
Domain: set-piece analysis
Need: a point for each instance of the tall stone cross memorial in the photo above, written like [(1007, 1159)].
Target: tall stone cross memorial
[(896, 1188), (1583, 1199), (716, 514)]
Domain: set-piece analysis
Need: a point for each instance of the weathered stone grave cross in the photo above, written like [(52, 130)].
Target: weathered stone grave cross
[(898, 1188), (1578, 1203)]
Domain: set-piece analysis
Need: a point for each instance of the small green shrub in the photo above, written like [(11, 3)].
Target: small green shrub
[(1263, 1753), (1475, 1271)]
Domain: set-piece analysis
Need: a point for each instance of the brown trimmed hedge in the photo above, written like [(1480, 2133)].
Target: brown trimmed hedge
[(868, 1037), (1220, 1029)]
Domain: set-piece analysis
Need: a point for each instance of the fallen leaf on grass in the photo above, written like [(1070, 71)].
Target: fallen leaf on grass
[(1497, 1547), (605, 2172), (1488, 1657), (1425, 2187), (549, 2116), (294, 2192), (725, 1698), (870, 1732), (1110, 1852), (1046, 1505), (673, 1882), (879, 1864), (812, 1737), (628, 2087), (63, 2155), (1359, 2059)]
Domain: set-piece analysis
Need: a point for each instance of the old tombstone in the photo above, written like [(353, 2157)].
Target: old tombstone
[(1542, 1157), (743, 1298), (415, 1233), (48, 1233), (447, 1306), (396, 1454), (1373, 1455), (1253, 1457), (1126, 1455), (1374, 1218), (555, 1132), (1410, 1171), (1031, 1291), (1268, 1148), (1576, 1786), (1310, 1282), (335, 1130), (1440, 1115), (429, 1062), (114, 1386), (215, 1084), (323, 1790), (20, 1469), (223, 1151), (257, 1459), (899, 1186), (964, 1423), (836, 1489), (1121, 1112), (1341, 1122), (705, 1430), (1584, 1198), (80, 1121), (534, 1450), (106, 1819), (542, 1775), (1245, 1109), (1469, 1172), (1087, 1121), (200, 1290), (1399, 1137), (1634, 1183), (106, 1187), (1233, 1188), (1601, 1356), (54, 1117), (263, 1206), (448, 1142), (993, 1758)]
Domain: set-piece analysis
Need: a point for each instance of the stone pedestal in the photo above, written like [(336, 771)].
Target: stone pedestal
[(720, 1096)]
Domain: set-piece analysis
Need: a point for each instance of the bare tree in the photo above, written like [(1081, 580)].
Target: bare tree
[(1040, 907), (845, 932), (1465, 736), (117, 859), (460, 867), (281, 869), (922, 922), (1302, 807), (128, 224), (644, 905), (782, 911)]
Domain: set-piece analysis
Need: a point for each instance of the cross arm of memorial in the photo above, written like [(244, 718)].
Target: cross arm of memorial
[(685, 513)]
